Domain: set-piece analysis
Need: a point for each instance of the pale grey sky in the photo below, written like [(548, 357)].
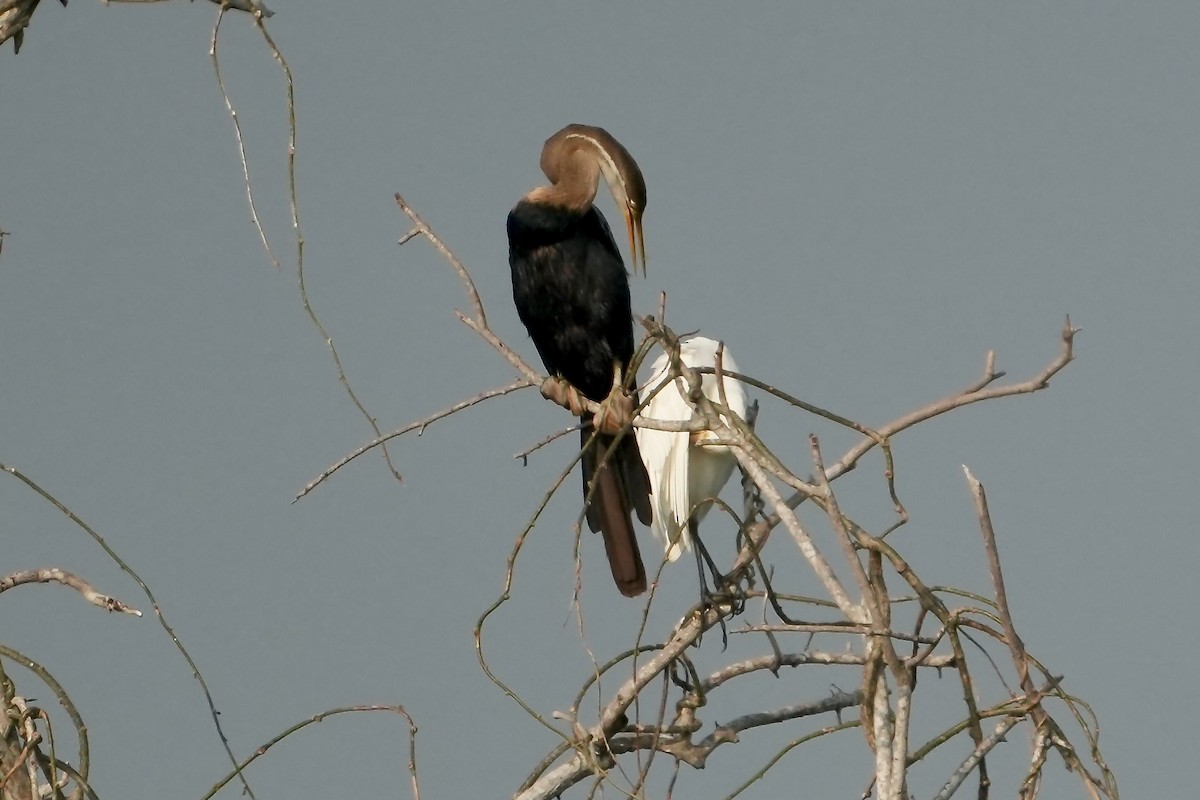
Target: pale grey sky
[(862, 199)]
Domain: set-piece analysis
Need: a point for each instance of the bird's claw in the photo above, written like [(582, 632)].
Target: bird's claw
[(616, 413), (616, 410), (726, 592), (559, 391)]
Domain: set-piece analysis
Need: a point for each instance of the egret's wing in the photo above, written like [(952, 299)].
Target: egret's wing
[(677, 495), (655, 447), (681, 473), (665, 454)]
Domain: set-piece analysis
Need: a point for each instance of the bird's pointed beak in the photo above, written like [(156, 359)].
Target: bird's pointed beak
[(637, 243)]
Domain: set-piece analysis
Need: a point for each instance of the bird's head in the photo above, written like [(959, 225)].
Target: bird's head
[(616, 165)]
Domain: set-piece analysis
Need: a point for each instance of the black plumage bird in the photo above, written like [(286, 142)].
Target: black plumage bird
[(572, 293)]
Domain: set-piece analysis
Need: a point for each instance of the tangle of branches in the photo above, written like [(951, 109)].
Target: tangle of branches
[(859, 607)]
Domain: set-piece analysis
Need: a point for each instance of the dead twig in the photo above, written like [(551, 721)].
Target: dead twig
[(419, 426), (56, 575)]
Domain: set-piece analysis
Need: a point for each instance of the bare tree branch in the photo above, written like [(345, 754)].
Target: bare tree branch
[(419, 426), (56, 575), (333, 712)]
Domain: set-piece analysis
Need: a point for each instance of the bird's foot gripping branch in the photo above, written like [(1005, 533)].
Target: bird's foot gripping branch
[(559, 391), (615, 414)]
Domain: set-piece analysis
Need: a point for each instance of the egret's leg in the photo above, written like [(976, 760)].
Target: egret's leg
[(724, 590)]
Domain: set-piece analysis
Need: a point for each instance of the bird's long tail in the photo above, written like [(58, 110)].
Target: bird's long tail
[(621, 486)]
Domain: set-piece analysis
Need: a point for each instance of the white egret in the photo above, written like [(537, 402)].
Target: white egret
[(687, 469)]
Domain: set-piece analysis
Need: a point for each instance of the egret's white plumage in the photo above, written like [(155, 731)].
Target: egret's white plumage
[(684, 470)]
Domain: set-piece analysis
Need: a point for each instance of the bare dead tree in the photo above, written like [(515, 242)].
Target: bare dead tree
[(619, 744), (653, 719)]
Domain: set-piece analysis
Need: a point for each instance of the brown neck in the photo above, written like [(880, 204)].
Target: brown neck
[(578, 175)]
